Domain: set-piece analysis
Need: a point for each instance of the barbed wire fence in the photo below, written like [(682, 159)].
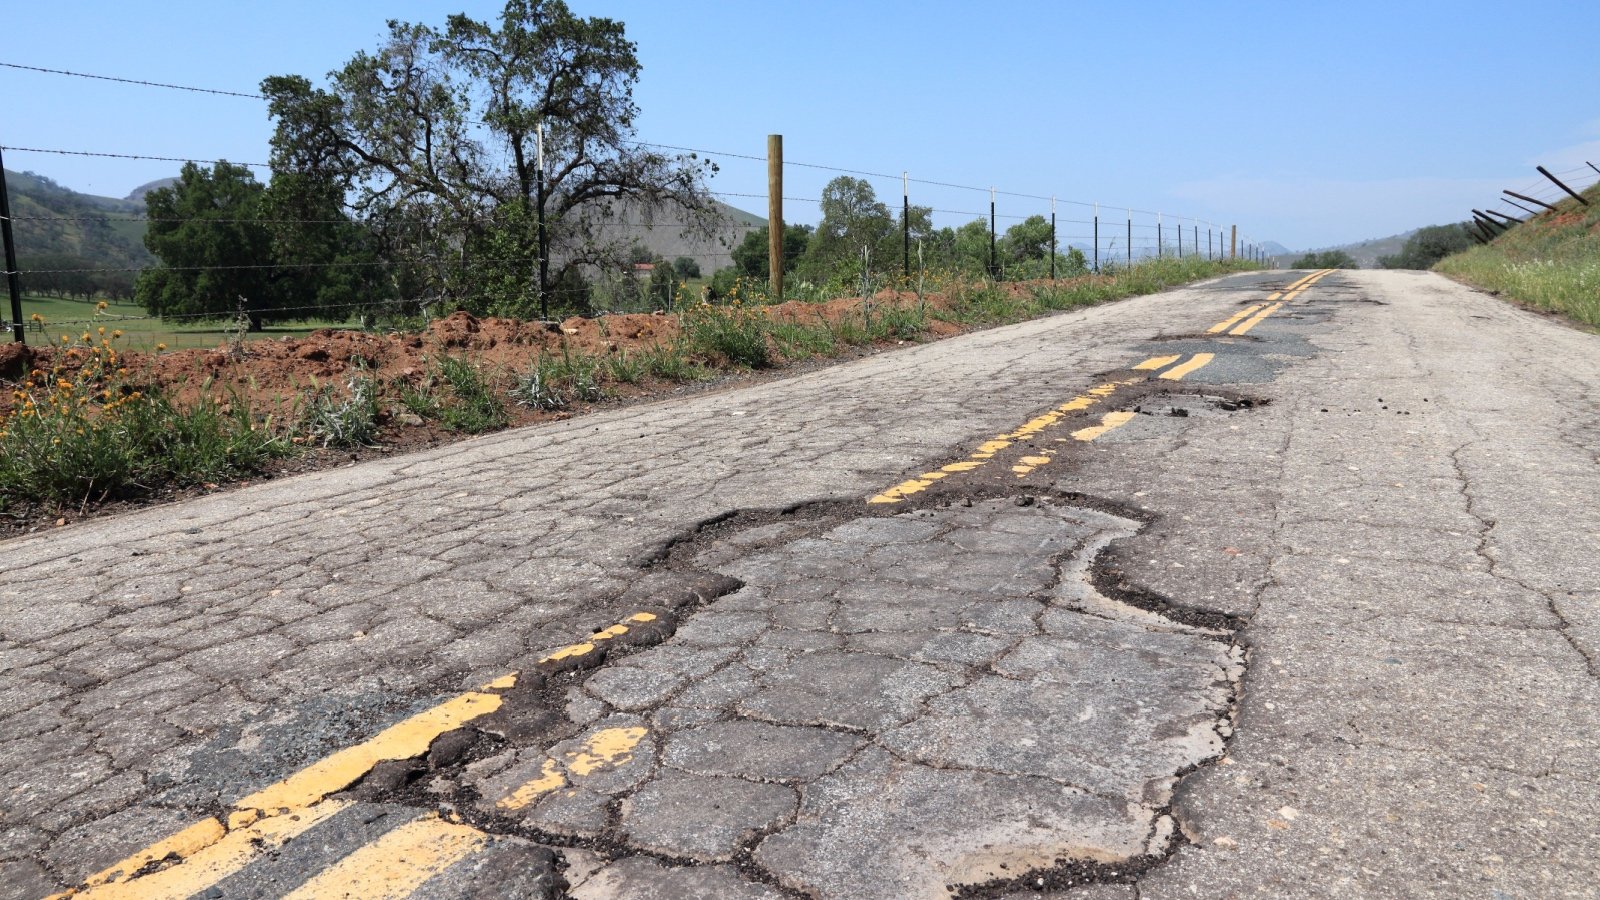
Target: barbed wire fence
[(1107, 235)]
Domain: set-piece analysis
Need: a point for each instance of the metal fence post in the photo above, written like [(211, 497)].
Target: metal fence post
[(994, 268), (1575, 195), (1097, 238), (1130, 238), (1052, 237), (905, 220), (18, 330), (544, 232)]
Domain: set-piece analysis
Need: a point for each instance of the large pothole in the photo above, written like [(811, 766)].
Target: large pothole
[(891, 706)]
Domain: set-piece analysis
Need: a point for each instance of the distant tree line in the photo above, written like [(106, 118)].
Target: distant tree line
[(854, 219), (1325, 259), (1421, 250), (74, 277), (1427, 246)]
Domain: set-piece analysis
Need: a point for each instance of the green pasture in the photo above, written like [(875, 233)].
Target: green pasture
[(140, 333)]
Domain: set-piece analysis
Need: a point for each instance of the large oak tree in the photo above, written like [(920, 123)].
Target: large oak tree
[(434, 140)]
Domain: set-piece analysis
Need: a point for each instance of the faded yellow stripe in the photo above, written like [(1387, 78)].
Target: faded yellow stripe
[(1156, 362), (1229, 322), (396, 864), (1109, 421), (182, 845), (605, 749), (214, 862), (550, 778), (987, 450), (1307, 279), (1200, 360), (903, 490), (400, 741), (1255, 320)]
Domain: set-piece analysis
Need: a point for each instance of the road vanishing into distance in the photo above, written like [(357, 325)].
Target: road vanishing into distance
[(1285, 584)]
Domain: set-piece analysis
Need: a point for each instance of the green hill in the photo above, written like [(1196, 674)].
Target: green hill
[(1551, 261), (59, 228)]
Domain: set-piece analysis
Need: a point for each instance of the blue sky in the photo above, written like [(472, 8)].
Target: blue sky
[(1307, 123)]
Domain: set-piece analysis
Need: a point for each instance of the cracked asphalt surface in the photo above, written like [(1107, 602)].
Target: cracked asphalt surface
[(1303, 607)]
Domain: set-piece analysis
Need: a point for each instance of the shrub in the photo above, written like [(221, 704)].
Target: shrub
[(347, 421), (556, 381), (735, 333)]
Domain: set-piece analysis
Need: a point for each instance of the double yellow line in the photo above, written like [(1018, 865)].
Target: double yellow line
[(1251, 316), (389, 868), (1108, 422)]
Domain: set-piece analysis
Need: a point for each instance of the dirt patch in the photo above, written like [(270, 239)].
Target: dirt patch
[(279, 377)]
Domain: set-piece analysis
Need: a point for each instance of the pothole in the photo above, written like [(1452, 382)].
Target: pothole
[(972, 709)]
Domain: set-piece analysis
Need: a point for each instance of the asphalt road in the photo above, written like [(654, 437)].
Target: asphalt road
[(1286, 584)]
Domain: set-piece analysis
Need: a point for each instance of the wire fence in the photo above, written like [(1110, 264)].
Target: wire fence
[(1532, 200), (1105, 234)]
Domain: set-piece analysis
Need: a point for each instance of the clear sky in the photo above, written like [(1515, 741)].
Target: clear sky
[(1308, 123)]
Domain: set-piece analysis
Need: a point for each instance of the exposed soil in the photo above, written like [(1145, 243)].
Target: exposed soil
[(277, 376)]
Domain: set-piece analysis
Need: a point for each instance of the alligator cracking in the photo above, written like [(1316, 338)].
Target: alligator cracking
[(678, 586), (529, 715), (672, 584)]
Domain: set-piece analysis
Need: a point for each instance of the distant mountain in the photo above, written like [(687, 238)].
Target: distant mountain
[(666, 235), (55, 224), (1365, 252), (137, 195), (1275, 249)]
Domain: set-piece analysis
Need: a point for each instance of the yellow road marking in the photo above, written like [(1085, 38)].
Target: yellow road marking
[(607, 748), (550, 778), (987, 450), (1156, 362), (210, 864), (1251, 317), (587, 647), (1229, 322), (1308, 278), (1109, 421), (403, 740), (184, 843), (396, 864), (296, 798), (1198, 361), (1255, 320)]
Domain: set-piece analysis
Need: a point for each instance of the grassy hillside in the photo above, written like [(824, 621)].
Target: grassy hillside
[(1551, 261), (54, 221)]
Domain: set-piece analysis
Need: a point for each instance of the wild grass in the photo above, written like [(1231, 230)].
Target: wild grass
[(343, 420), (474, 406), (735, 333), (84, 432), (557, 380)]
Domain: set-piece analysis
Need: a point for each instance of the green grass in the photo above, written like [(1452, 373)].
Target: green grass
[(474, 408), (144, 334), (83, 434), (1551, 261)]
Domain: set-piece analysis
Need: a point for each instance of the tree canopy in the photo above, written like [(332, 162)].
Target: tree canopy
[(433, 140), (227, 243), (1427, 246)]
